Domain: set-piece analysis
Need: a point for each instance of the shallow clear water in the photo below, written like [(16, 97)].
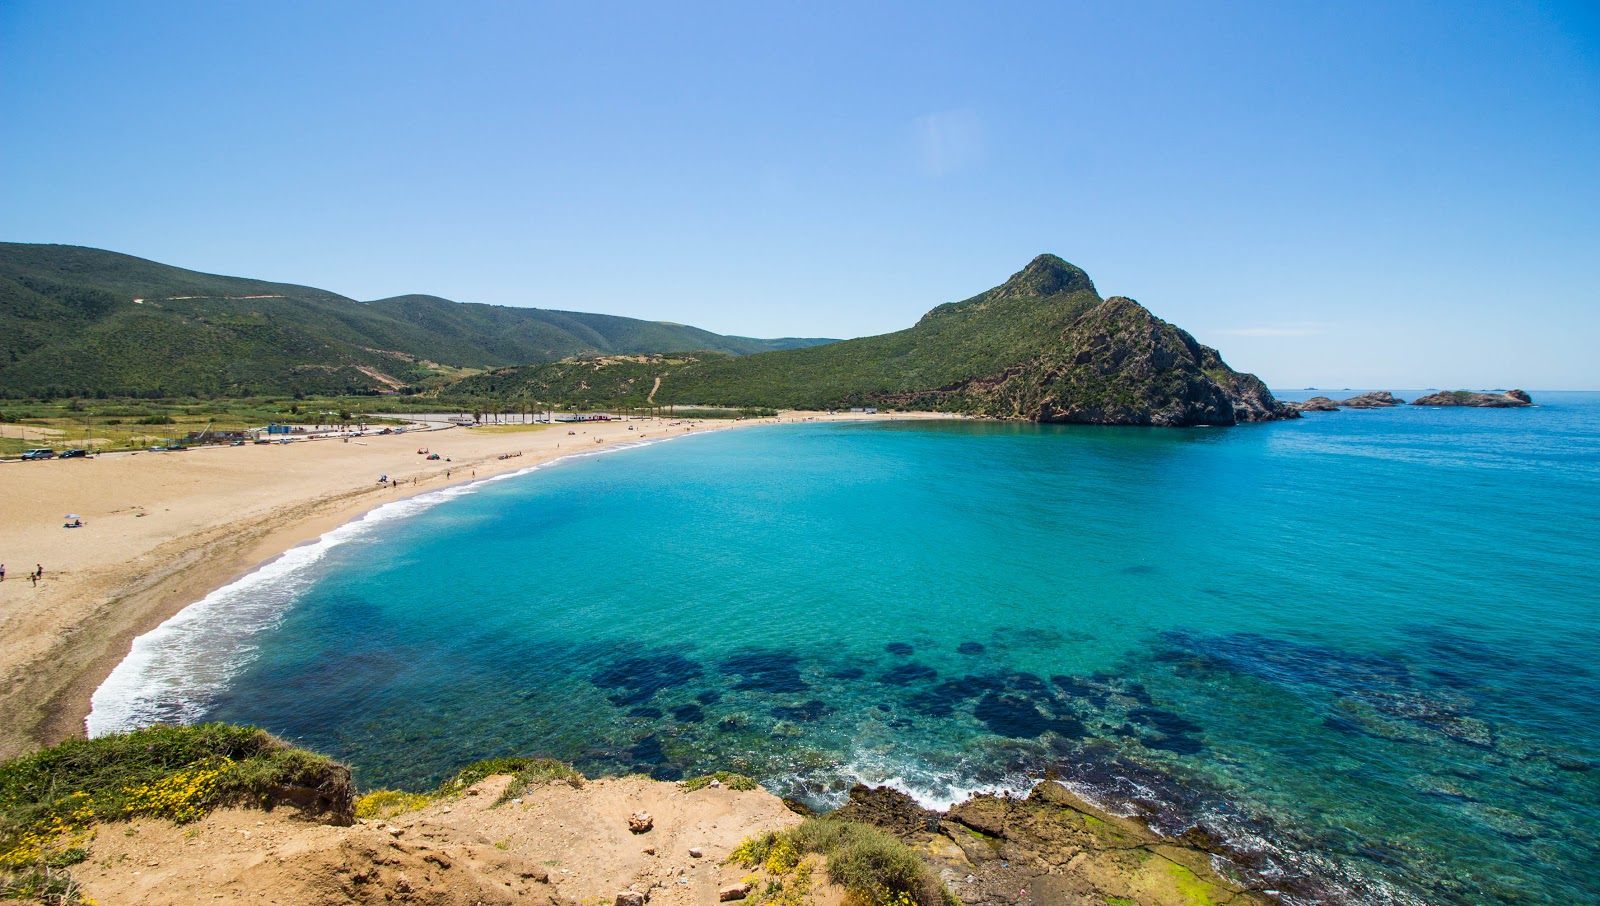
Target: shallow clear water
[(1361, 647)]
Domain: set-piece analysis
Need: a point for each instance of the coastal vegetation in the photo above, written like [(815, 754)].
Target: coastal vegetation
[(51, 801), (80, 322), (873, 867), (133, 424)]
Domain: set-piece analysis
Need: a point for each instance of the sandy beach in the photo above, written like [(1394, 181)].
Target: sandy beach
[(161, 530)]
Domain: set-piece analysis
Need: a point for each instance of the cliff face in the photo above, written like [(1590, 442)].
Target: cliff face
[(1118, 364)]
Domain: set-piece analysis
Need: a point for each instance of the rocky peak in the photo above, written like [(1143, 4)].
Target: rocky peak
[(1046, 275)]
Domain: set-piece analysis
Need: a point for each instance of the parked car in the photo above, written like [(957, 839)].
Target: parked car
[(237, 443), (158, 449), (74, 454), (39, 454)]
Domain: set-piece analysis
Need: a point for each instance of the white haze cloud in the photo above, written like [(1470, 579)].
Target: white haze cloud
[(948, 142), (1272, 331)]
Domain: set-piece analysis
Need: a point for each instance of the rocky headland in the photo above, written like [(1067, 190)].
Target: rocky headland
[(1511, 399), (1044, 346), (1119, 364)]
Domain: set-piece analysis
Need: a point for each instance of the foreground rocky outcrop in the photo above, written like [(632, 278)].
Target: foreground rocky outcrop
[(1511, 399), (572, 843), (1052, 847), (558, 843)]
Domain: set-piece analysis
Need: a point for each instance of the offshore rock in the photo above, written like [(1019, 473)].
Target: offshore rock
[(1315, 404), (1511, 399), (1377, 400), (1118, 364)]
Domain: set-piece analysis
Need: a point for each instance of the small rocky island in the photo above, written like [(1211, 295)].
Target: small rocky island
[(1383, 399), (1510, 399)]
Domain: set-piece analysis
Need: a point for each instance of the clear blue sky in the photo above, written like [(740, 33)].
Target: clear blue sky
[(1381, 195)]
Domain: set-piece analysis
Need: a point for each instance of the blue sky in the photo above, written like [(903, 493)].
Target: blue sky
[(1376, 195)]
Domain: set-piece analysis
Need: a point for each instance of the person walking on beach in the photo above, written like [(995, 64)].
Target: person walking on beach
[(39, 570), (2, 572)]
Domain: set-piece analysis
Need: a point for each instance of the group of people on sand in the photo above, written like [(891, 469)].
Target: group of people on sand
[(36, 575), (509, 455)]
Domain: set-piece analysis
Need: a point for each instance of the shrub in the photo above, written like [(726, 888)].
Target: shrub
[(389, 803), (525, 773), (874, 868), (727, 778), (538, 772), (51, 800), (156, 420)]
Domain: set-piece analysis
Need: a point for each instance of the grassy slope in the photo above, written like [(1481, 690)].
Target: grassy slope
[(68, 321)]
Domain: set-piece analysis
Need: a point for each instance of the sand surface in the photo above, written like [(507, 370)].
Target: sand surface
[(163, 529), (558, 844)]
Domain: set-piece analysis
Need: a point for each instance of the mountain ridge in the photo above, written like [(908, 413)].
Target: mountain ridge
[(79, 320)]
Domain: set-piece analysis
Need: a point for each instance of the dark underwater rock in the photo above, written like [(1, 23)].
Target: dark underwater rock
[(809, 711), (1019, 717), (970, 648), (765, 670), (908, 673), (901, 648), (638, 679)]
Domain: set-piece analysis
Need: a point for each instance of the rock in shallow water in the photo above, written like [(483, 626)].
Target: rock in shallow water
[(908, 673), (765, 670)]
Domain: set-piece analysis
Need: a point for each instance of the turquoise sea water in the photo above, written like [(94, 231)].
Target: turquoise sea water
[(1363, 648)]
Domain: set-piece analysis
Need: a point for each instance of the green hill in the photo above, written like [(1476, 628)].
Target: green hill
[(1042, 346), (79, 321)]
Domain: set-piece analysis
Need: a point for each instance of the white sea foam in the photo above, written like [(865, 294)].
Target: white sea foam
[(931, 788), (175, 672)]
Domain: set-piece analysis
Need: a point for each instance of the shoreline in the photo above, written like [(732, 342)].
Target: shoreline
[(206, 519)]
